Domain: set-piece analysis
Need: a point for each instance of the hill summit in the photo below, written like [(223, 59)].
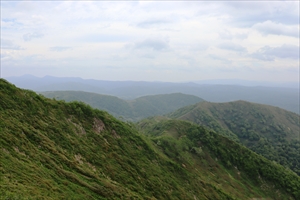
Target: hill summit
[(270, 131)]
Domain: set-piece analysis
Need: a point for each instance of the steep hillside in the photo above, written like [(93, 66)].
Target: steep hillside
[(208, 153), (129, 110), (267, 130), (56, 150)]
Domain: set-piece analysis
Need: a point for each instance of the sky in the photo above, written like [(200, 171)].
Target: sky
[(173, 41)]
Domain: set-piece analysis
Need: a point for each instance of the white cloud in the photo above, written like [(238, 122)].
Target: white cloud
[(98, 38), (156, 44), (29, 36), (232, 47), (163, 38), (215, 57), (271, 28), (8, 44), (285, 51), (248, 13), (153, 23), (59, 48), (225, 35)]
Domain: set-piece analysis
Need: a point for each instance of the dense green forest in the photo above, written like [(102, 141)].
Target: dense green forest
[(56, 150), (267, 130), (132, 110)]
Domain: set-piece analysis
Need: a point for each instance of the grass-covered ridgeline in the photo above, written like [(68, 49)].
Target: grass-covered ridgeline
[(178, 139), (56, 150), (267, 130)]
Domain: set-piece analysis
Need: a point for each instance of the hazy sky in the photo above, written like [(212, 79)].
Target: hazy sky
[(151, 41)]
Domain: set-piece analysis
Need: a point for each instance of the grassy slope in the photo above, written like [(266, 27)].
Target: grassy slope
[(267, 130), (130, 110), (207, 153), (54, 150)]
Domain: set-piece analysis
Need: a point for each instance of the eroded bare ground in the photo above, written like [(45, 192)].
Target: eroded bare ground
[(98, 125)]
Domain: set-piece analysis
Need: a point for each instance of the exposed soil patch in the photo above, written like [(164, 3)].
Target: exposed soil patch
[(98, 125)]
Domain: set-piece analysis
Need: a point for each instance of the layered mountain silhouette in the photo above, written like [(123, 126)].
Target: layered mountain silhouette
[(284, 95), (132, 110)]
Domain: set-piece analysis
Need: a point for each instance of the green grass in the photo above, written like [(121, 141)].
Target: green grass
[(267, 130), (56, 150), (247, 168)]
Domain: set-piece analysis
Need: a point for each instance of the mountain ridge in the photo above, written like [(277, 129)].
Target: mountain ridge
[(55, 150), (267, 130)]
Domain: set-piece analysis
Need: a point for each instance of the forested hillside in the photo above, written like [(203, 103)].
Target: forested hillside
[(133, 110), (267, 130), (56, 150)]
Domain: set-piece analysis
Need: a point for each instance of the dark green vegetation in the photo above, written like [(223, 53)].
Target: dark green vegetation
[(267, 130), (134, 110), (56, 150), (204, 151)]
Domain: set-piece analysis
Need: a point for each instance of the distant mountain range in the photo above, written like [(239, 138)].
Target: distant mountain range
[(132, 110), (285, 96), (249, 83)]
